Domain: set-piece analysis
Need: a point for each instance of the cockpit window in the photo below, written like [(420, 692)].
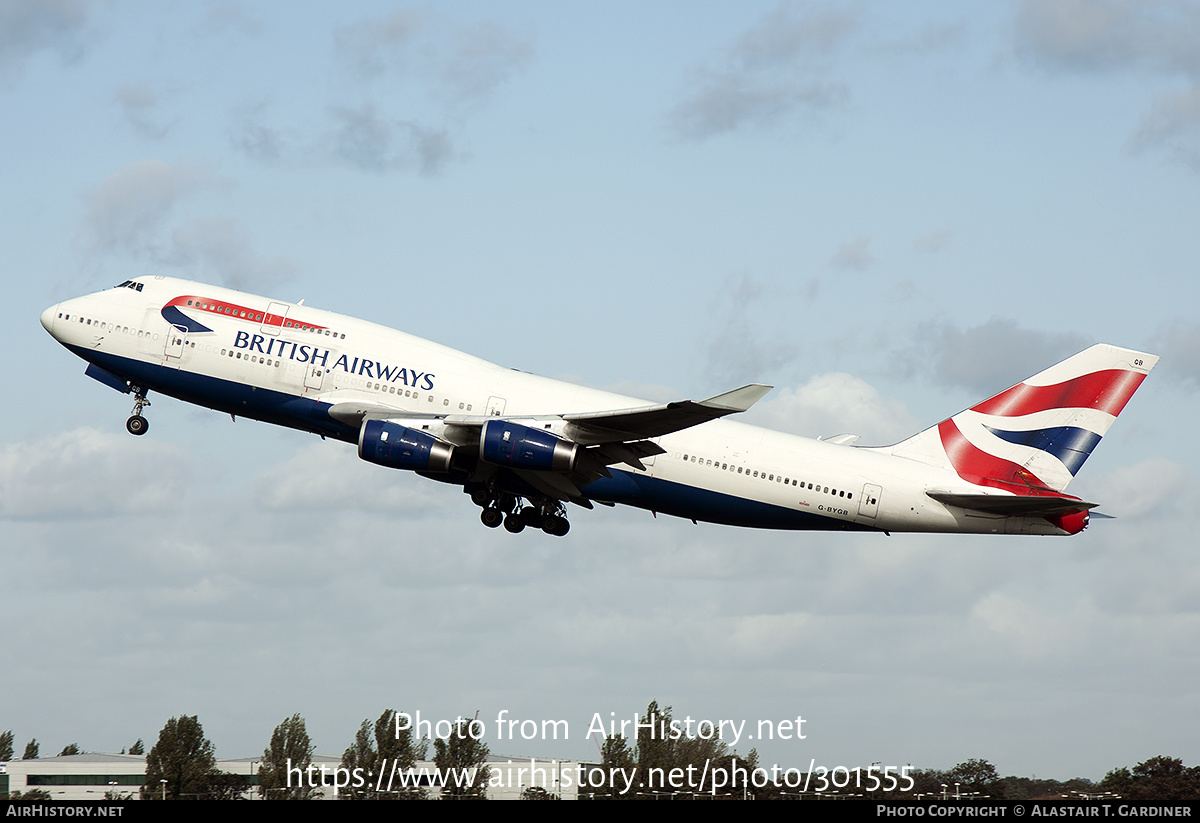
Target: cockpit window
[(129, 284)]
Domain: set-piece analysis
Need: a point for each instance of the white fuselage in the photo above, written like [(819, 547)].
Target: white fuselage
[(297, 362)]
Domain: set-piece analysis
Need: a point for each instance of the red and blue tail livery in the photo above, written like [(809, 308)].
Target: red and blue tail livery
[(1032, 439), (524, 448)]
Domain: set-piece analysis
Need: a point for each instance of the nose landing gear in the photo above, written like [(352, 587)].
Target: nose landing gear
[(136, 424)]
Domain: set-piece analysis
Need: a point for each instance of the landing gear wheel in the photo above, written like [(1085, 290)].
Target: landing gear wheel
[(137, 424), (514, 523), (491, 517), (481, 497), (557, 526)]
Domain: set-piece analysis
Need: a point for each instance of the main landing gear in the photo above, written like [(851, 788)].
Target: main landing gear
[(136, 424), (549, 515)]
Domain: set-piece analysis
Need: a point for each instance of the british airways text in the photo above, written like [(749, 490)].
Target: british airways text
[(363, 367)]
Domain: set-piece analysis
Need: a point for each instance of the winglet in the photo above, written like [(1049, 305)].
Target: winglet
[(738, 400)]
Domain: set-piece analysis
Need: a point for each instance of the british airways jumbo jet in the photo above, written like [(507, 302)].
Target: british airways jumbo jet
[(523, 446)]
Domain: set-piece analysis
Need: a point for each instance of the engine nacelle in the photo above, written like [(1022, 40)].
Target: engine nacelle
[(509, 444), (399, 447)]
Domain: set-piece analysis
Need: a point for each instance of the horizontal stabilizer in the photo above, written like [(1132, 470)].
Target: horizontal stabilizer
[(1011, 505)]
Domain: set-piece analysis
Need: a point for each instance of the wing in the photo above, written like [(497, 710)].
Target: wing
[(587, 428), (558, 454), (623, 425)]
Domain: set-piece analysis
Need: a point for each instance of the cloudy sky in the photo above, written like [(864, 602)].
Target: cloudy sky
[(887, 211)]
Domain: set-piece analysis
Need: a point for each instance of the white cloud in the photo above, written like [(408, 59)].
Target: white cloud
[(331, 476), (971, 357), (450, 62), (373, 46), (774, 71), (933, 242), (376, 143), (1172, 123), (26, 28), (830, 404), (1142, 489), (1180, 343), (853, 256), (89, 473), (1156, 36), (739, 348), (218, 249), (127, 211), (143, 212), (141, 107), (1106, 35), (484, 57)]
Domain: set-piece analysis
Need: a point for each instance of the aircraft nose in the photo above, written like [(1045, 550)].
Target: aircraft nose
[(48, 318)]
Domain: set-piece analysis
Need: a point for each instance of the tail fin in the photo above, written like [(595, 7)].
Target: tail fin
[(1034, 437)]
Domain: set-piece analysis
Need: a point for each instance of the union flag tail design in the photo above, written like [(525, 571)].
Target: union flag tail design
[(1034, 437)]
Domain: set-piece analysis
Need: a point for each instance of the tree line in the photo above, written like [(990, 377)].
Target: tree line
[(182, 765)]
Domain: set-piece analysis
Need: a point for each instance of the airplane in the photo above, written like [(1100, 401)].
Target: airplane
[(523, 446)]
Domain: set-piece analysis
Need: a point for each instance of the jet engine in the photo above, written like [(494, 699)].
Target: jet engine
[(509, 444), (399, 447)]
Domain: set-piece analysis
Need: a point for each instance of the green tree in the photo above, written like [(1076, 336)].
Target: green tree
[(655, 748), (31, 750), (290, 749), (663, 746), (1159, 778), (398, 751), (537, 793), (381, 747), (226, 786), (69, 749), (6, 746), (463, 761), (975, 776), (182, 762), (617, 758), (138, 747), (1034, 788), (360, 762)]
